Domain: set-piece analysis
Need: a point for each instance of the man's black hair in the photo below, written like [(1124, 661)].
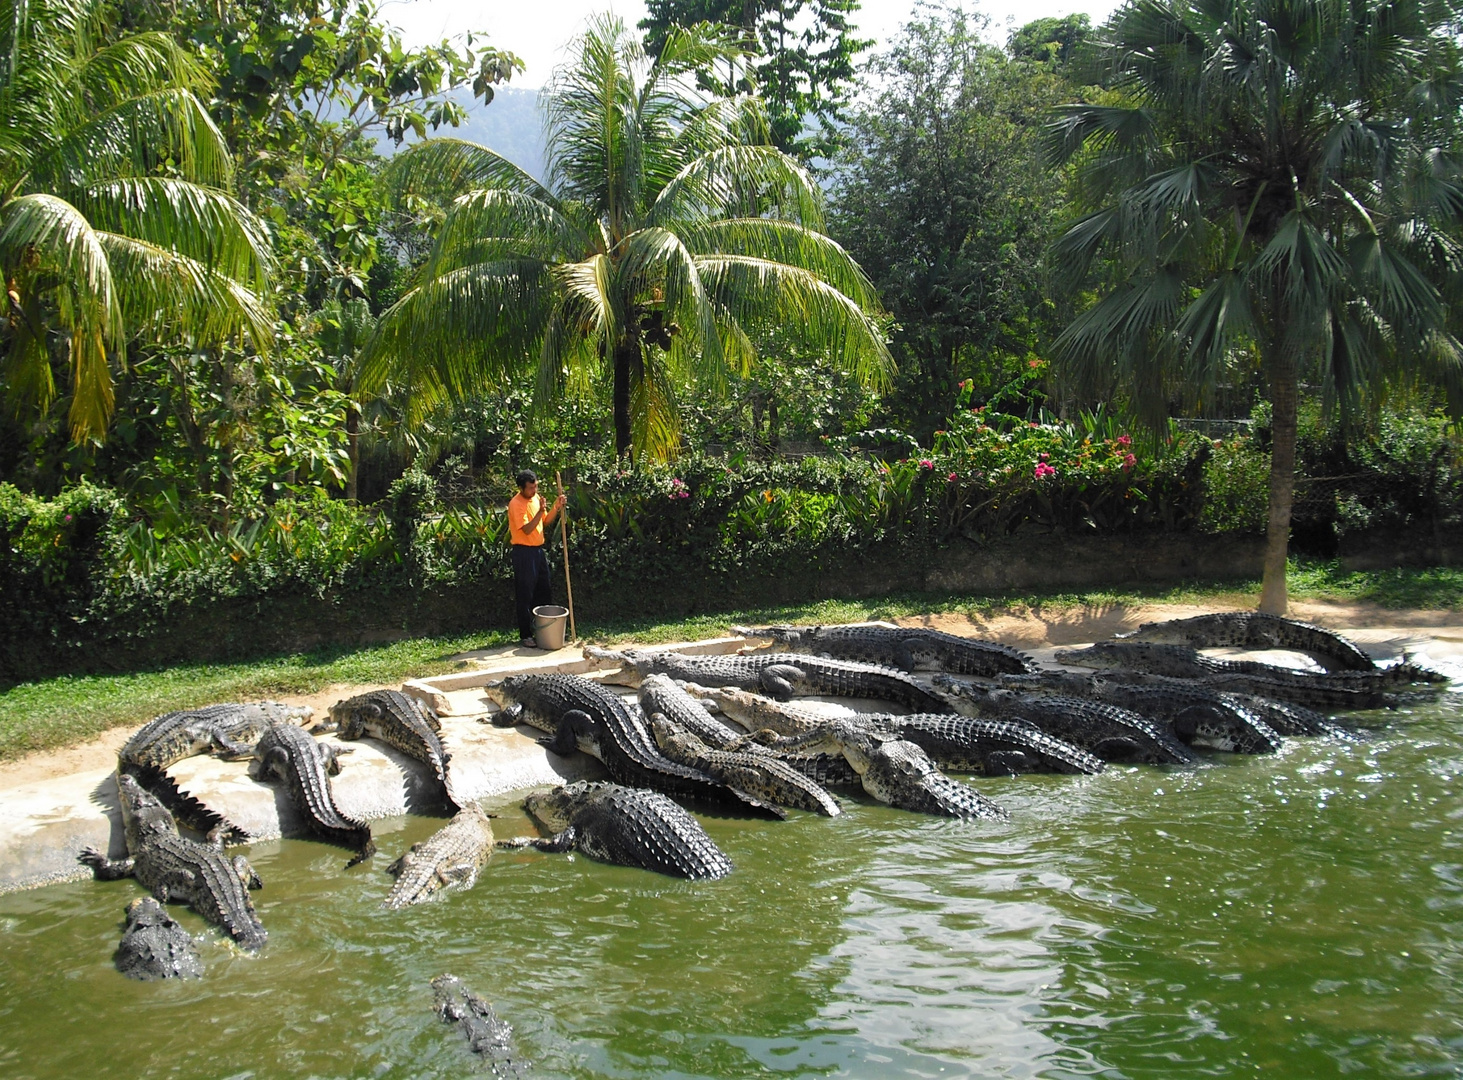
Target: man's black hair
[(525, 477)]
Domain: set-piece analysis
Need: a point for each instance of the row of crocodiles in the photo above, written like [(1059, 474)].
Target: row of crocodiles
[(722, 729)]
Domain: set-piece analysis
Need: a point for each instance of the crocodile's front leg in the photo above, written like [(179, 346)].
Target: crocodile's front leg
[(563, 841), (229, 750), (779, 679), (247, 874), (566, 739), (103, 868)]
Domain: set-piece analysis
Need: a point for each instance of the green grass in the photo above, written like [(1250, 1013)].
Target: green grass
[(62, 711)]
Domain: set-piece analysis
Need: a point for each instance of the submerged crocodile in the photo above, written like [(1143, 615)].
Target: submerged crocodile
[(913, 648), (488, 1035), (1109, 731), (1198, 715), (899, 773), (778, 675), (580, 714), (155, 945), (398, 720), (1255, 630), (660, 694), (450, 858), (228, 730), (762, 775), (304, 765), (625, 826), (1342, 689), (957, 743), (173, 867)]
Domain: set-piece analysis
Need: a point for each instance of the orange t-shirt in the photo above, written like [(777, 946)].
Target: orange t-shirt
[(520, 513)]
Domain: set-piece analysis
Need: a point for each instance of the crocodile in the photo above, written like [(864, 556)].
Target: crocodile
[(913, 648), (778, 675), (398, 720), (899, 773), (660, 694), (293, 756), (1256, 630), (487, 1034), (1197, 715), (1342, 689), (225, 729), (957, 743), (173, 867), (771, 780), (155, 945), (580, 714), (1110, 732), (450, 858), (624, 826)]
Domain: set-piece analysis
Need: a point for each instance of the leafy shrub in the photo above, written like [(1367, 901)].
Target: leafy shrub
[(1236, 488)]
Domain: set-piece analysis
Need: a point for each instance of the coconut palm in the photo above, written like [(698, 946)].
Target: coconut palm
[(1274, 180), (115, 218), (668, 232)]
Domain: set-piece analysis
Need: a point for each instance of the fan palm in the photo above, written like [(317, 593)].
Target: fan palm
[(115, 218), (1275, 179), (668, 232)]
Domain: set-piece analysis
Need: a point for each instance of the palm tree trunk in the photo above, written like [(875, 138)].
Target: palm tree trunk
[(625, 356), (353, 441), (1283, 400)]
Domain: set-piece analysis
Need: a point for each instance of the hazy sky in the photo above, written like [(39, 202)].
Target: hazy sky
[(537, 30)]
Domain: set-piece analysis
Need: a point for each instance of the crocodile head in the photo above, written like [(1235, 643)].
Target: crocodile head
[(145, 911), (553, 810), (783, 635), (1105, 654), (141, 810)]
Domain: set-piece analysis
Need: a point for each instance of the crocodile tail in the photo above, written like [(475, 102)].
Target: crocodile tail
[(186, 809)]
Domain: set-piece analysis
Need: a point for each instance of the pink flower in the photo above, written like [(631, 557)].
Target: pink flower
[(926, 463), (951, 478), (1129, 461), (1044, 456), (1043, 470), (68, 517), (1125, 440), (1032, 423)]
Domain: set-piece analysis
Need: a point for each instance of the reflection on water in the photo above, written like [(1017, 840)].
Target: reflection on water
[(1298, 915)]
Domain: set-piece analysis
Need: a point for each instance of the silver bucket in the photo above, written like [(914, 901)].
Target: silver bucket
[(549, 623)]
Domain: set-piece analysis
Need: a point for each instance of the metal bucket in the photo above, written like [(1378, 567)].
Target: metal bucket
[(549, 623)]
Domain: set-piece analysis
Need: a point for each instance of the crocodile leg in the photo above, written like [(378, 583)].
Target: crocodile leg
[(464, 874), (1008, 763), (230, 750), (332, 756), (247, 874), (566, 739), (563, 841), (403, 864), (904, 654), (276, 761), (779, 679), (103, 868)]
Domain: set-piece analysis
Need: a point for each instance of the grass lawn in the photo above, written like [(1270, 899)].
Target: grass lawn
[(60, 711)]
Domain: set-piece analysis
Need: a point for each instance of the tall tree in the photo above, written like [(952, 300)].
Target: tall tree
[(804, 68), (668, 233), (116, 219), (1273, 175)]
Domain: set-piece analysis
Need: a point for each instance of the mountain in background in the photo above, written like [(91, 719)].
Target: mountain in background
[(511, 125)]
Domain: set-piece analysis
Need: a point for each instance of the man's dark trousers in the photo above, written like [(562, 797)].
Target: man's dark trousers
[(530, 584)]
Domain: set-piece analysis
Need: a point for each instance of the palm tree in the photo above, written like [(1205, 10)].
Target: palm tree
[(115, 216), (1274, 179), (668, 233)]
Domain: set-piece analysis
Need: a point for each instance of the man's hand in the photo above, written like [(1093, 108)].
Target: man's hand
[(559, 504)]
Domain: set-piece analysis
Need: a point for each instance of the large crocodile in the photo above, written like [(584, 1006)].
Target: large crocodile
[(173, 867), (660, 694), (912, 648), (581, 714), (450, 858), (899, 773), (228, 730), (304, 765), (1282, 717), (155, 945), (1110, 732), (488, 1035), (625, 826), (769, 779), (398, 720), (778, 675), (1198, 715), (957, 743), (1342, 689), (1255, 630)]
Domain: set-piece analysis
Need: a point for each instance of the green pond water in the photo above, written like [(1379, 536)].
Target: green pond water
[(1299, 915)]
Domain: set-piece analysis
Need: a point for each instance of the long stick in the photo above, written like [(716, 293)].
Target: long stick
[(564, 541)]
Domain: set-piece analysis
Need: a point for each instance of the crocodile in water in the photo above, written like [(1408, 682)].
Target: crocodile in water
[(899, 773), (449, 859), (1256, 630), (486, 1033), (625, 826), (958, 743), (778, 675), (155, 945), (173, 867), (304, 765), (398, 720), (913, 648), (228, 730)]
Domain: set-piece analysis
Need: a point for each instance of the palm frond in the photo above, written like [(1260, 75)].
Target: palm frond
[(493, 223), (45, 232), (737, 181), (442, 169)]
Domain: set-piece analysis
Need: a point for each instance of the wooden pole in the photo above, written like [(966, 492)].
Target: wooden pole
[(564, 541)]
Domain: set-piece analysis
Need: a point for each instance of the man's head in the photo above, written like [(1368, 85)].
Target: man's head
[(527, 483)]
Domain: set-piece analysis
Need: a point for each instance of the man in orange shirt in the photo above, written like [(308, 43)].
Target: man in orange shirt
[(527, 517)]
